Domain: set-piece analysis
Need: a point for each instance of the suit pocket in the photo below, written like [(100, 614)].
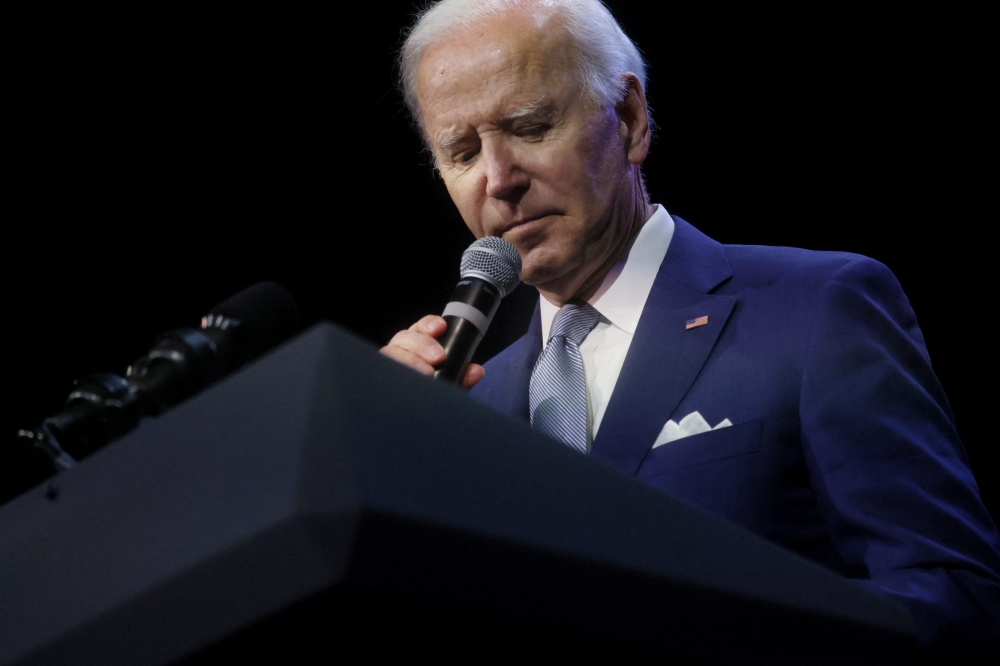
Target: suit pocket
[(706, 447)]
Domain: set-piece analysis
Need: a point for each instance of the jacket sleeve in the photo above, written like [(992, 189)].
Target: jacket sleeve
[(890, 472)]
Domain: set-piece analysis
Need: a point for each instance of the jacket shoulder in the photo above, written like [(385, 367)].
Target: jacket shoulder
[(806, 277), (763, 264)]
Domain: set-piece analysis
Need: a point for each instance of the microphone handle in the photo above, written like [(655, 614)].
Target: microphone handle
[(472, 306), (459, 342)]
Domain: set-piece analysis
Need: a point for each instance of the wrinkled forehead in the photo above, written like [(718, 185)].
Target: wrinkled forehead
[(494, 68)]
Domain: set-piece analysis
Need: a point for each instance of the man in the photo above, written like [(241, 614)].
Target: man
[(787, 391)]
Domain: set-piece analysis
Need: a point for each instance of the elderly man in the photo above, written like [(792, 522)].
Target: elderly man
[(787, 391)]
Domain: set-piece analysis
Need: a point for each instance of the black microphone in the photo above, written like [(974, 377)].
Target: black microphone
[(490, 270), (105, 406)]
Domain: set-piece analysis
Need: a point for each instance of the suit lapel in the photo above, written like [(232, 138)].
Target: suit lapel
[(665, 358), (510, 393)]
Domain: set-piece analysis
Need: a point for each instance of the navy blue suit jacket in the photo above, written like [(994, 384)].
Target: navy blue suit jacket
[(843, 447)]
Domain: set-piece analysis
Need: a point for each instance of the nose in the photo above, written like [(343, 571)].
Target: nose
[(505, 178)]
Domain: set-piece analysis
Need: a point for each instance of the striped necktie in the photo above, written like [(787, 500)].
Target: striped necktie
[(558, 390)]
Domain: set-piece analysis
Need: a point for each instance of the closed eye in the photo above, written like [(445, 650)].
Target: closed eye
[(468, 155), (532, 131)]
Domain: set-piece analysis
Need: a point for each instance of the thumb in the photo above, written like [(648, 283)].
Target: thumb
[(473, 374)]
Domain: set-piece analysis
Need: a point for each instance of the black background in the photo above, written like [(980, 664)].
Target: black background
[(160, 160)]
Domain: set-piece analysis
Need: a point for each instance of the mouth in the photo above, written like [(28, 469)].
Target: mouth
[(521, 222)]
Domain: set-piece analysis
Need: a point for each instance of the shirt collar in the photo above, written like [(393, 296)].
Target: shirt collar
[(623, 292)]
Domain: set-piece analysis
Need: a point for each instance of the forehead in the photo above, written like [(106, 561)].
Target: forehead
[(494, 68)]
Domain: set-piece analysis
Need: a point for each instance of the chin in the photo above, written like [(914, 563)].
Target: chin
[(538, 270), (532, 273)]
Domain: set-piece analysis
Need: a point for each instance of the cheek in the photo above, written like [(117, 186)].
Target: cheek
[(559, 169), (582, 167), (607, 159)]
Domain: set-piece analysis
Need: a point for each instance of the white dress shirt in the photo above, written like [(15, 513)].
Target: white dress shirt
[(619, 300)]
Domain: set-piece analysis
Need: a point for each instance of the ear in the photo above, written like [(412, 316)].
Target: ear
[(633, 120)]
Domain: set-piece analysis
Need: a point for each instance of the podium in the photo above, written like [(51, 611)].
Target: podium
[(326, 501)]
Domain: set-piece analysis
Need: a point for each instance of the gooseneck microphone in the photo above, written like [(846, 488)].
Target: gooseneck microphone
[(105, 406), (490, 269)]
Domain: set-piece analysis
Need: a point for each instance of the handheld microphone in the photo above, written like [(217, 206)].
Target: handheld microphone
[(490, 270), (105, 406)]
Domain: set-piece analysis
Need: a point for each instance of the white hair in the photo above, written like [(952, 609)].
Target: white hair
[(604, 51)]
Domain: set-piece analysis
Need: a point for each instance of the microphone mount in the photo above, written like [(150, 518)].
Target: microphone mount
[(105, 406)]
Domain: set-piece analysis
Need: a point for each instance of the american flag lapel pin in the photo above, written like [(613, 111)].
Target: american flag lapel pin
[(696, 322)]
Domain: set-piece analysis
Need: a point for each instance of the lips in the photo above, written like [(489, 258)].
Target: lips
[(521, 221)]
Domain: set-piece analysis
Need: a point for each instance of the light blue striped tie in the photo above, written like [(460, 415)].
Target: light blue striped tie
[(558, 390)]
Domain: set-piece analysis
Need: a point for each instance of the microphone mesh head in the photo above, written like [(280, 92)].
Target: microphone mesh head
[(494, 259)]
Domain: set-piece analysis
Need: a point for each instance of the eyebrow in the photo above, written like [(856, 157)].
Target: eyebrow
[(526, 111), (450, 140)]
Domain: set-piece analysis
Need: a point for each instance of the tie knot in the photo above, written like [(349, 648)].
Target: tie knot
[(574, 321)]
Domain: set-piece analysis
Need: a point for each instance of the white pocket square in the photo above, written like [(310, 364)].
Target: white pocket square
[(692, 424)]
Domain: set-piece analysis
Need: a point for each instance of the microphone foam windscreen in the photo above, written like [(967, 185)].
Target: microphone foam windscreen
[(496, 260), (267, 312)]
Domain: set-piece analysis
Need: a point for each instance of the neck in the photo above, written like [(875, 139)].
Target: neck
[(623, 222)]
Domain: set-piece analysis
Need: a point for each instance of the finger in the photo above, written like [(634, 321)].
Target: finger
[(473, 374), (421, 344), (432, 325), (408, 359)]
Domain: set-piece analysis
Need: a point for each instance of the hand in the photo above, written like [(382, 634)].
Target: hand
[(418, 348)]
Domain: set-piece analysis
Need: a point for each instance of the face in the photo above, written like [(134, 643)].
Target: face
[(524, 155)]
